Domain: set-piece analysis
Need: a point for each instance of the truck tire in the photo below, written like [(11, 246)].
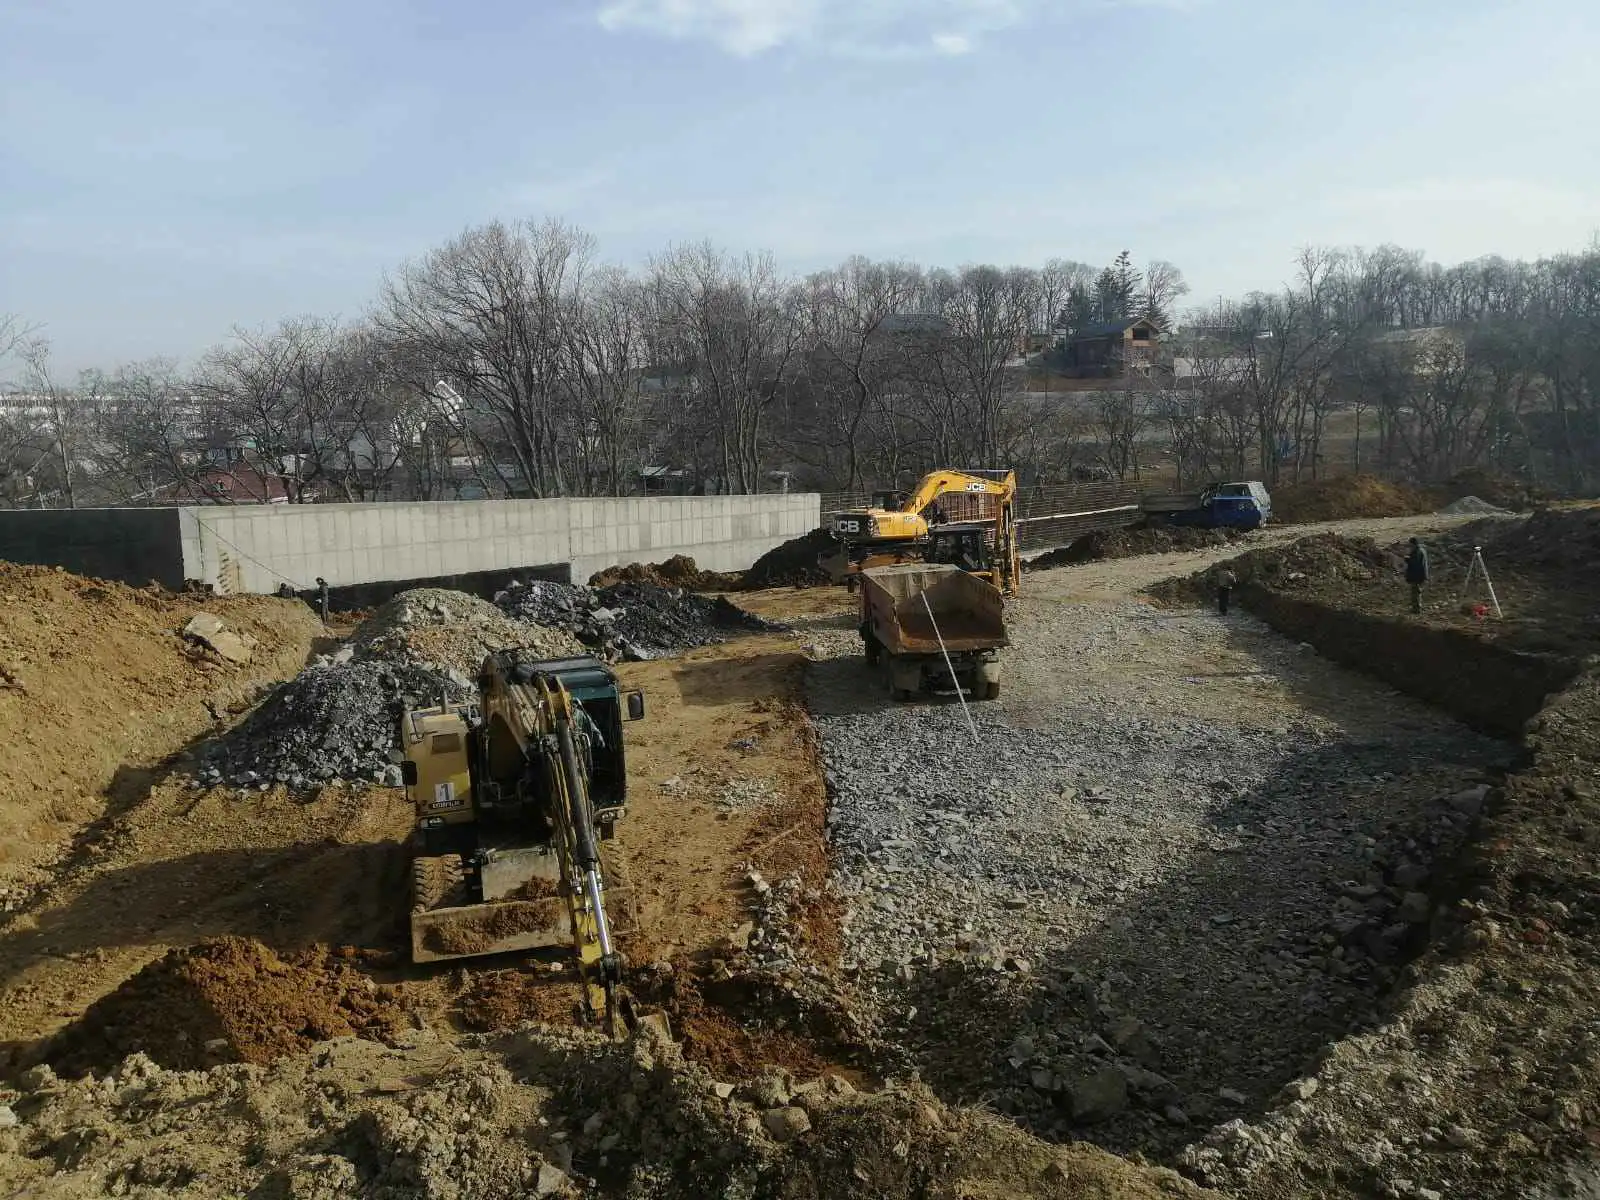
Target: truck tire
[(990, 691), (872, 648), (438, 882)]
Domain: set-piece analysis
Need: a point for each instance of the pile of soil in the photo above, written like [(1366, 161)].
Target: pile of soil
[(539, 1113), (1348, 496), (679, 571), (96, 677), (1308, 565), (793, 564), (1494, 487), (1563, 540), (1134, 540), (228, 1000)]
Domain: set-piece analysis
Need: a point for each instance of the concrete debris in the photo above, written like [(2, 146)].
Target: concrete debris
[(212, 632), (786, 1124)]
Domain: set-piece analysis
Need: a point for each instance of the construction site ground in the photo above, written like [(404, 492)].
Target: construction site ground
[(1109, 918)]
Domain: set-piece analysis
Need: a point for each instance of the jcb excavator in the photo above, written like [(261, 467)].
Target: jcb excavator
[(963, 517), (514, 793)]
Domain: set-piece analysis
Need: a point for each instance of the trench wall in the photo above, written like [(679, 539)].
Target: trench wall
[(1489, 687), (260, 548)]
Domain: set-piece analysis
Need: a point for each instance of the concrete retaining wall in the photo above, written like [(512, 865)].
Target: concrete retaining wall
[(135, 545), (258, 548)]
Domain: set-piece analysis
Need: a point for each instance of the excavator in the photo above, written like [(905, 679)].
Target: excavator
[(966, 518), (514, 791)]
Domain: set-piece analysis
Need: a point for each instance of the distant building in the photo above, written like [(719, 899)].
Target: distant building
[(1110, 351)]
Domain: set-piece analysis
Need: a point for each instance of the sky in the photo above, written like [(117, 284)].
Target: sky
[(172, 169)]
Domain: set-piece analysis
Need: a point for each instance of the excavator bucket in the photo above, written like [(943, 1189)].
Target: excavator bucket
[(523, 907)]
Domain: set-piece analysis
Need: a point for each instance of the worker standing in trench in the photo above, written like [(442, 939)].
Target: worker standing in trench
[(1416, 573), (1226, 582)]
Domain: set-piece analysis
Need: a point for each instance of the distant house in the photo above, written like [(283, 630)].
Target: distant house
[(239, 483), (921, 324), (1110, 351)]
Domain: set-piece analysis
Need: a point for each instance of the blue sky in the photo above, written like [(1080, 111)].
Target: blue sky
[(172, 168)]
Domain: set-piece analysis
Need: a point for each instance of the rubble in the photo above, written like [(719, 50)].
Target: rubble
[(793, 564), (212, 632)]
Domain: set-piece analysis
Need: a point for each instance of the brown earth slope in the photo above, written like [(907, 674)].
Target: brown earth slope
[(98, 686)]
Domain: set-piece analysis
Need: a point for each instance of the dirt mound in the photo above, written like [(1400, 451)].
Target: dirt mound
[(1126, 543), (679, 571), (1564, 540), (228, 1000), (1303, 566), (96, 678), (793, 564), (1346, 497), (1501, 490), (535, 1113)]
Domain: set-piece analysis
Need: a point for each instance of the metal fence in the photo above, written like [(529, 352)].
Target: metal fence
[(1048, 515)]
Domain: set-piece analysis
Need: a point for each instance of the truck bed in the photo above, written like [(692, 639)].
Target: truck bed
[(967, 611)]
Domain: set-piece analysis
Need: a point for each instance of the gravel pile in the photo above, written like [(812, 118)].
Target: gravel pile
[(1472, 506), (1123, 921), (338, 718), (629, 621)]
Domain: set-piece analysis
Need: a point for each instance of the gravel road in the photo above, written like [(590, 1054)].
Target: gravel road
[(1182, 856)]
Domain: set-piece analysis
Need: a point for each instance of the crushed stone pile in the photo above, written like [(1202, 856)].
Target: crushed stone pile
[(337, 718), (451, 633), (1140, 539), (1472, 506), (630, 621), (679, 571), (229, 999), (543, 1113), (793, 564), (1300, 566)]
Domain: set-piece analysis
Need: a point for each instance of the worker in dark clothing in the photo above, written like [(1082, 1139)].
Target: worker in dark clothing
[(1416, 573), (1226, 582)]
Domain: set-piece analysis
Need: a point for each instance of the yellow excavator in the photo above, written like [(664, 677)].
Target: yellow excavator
[(966, 518), (514, 792)]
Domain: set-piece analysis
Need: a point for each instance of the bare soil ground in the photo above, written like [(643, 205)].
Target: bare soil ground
[(98, 687)]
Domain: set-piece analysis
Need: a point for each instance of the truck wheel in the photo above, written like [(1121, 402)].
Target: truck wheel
[(901, 694), (991, 691), (872, 648)]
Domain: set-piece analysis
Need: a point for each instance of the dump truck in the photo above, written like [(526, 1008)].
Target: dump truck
[(513, 791), (933, 628), (1245, 505)]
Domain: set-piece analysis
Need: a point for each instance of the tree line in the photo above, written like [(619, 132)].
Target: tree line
[(511, 361)]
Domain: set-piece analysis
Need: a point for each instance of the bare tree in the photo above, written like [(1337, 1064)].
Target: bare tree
[(487, 311)]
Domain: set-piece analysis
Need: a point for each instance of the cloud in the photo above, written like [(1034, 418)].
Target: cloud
[(852, 28)]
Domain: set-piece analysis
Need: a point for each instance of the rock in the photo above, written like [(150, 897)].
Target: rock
[(594, 1124), (768, 1091), (1470, 801), (551, 1181), (1099, 1096), (1232, 1095), (1175, 1115), (209, 630), (722, 1091), (1301, 1089), (8, 1117), (1415, 908), (1016, 903), (786, 1124)]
